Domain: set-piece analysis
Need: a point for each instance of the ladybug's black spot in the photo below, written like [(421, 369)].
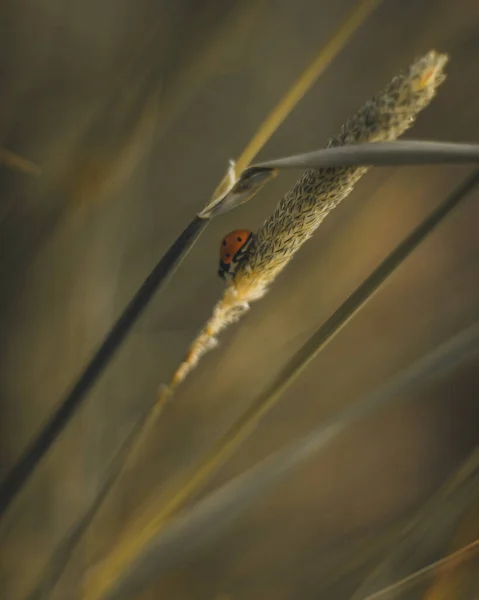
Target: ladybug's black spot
[(228, 255), (224, 242), (239, 239)]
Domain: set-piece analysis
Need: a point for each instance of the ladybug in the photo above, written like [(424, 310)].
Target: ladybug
[(233, 247)]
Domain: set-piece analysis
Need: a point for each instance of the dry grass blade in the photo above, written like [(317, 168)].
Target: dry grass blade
[(18, 163), (457, 557), (148, 550), (455, 579), (428, 529)]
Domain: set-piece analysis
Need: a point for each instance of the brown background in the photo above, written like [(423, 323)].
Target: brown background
[(133, 108)]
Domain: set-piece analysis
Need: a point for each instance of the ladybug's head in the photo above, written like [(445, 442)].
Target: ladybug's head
[(233, 247)]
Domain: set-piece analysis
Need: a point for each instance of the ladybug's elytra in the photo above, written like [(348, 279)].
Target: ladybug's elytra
[(233, 246)]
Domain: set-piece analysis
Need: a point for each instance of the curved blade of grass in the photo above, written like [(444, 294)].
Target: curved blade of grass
[(376, 154)]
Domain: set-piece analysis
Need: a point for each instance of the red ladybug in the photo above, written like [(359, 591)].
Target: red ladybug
[(233, 246)]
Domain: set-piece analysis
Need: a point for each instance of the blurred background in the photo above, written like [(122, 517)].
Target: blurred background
[(132, 110)]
